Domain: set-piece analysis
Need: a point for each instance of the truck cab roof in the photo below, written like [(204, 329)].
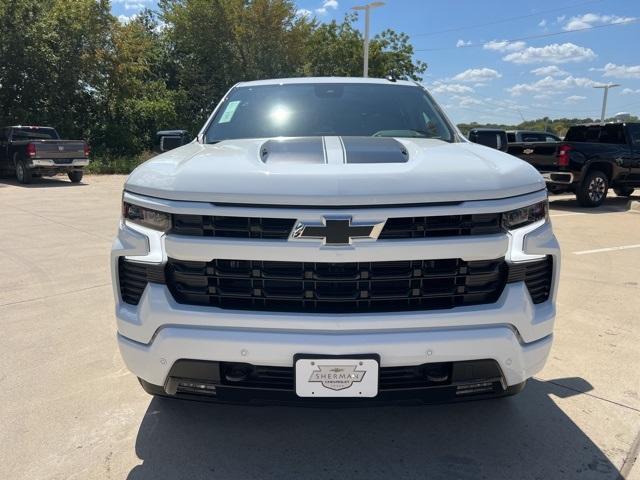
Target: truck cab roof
[(299, 80)]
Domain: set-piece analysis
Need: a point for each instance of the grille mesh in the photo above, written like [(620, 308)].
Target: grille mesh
[(336, 287), (134, 276), (280, 228), (537, 275), (442, 226), (233, 227), (391, 378)]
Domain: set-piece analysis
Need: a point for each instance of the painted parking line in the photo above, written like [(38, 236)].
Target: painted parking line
[(610, 249), (570, 214), (565, 214)]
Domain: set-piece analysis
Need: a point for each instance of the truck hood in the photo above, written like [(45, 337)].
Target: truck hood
[(334, 171)]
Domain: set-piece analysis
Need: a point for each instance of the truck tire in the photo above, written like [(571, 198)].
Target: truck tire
[(624, 191), (23, 173), (75, 176), (593, 189)]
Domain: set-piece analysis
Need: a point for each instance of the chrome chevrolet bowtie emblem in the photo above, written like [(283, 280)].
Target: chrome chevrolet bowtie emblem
[(337, 231)]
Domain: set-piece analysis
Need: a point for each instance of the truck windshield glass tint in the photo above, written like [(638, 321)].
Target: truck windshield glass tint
[(302, 110), (34, 134)]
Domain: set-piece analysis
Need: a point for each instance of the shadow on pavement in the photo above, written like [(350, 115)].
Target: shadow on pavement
[(41, 182), (521, 437), (611, 204)]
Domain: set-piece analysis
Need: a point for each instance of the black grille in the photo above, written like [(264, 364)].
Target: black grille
[(442, 226), (134, 276), (280, 228), (208, 377), (234, 227), (391, 378), (336, 287), (537, 276)]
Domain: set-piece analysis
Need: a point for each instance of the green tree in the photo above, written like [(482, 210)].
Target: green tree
[(336, 49), (216, 43), (50, 60), (135, 101)]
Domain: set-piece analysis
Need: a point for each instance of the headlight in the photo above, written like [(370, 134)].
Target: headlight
[(526, 215), (147, 217)]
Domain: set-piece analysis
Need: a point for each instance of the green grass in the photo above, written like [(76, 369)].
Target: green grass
[(106, 164)]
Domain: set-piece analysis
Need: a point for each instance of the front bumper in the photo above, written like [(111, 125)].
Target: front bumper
[(186, 332), (48, 163), (513, 331)]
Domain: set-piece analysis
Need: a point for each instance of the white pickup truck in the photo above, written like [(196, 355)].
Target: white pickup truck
[(334, 240)]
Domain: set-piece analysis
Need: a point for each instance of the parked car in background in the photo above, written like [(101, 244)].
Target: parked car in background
[(591, 159), (32, 151), (514, 136), (489, 137)]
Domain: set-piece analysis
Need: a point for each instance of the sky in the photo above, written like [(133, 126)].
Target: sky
[(502, 61)]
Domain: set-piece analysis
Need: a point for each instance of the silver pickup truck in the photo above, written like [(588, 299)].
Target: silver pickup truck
[(29, 151)]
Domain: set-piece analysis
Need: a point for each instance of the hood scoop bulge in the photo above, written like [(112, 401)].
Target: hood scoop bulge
[(313, 150), (299, 150)]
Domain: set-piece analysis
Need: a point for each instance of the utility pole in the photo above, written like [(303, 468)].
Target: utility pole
[(604, 98), (367, 9)]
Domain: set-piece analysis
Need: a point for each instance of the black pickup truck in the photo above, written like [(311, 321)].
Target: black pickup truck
[(29, 152), (589, 160)]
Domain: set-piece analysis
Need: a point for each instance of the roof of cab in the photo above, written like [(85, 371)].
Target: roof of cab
[(288, 81)]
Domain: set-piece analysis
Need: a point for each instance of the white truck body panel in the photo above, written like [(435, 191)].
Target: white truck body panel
[(232, 178)]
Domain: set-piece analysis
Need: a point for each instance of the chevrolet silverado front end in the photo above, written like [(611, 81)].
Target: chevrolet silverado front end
[(330, 240)]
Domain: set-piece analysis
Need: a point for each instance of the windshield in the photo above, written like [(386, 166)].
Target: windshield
[(302, 110), (34, 133)]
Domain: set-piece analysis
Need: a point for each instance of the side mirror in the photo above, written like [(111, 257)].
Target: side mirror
[(169, 139), (490, 138)]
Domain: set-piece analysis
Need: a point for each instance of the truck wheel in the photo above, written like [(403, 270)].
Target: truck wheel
[(624, 191), (593, 189), (75, 176), (23, 173)]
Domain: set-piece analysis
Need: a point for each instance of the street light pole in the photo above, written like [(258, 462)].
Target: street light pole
[(367, 9), (604, 99)]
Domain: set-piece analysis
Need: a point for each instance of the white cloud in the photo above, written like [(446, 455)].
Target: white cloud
[(619, 71), (477, 75), (560, 19), (124, 19), (550, 86), (465, 100), (588, 20), (303, 12), (549, 70), (554, 53), (135, 5), (574, 98), (326, 5), (461, 43), (443, 87), (504, 46), (629, 91), (543, 23)]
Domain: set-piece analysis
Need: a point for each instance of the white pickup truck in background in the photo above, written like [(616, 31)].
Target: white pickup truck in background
[(334, 240)]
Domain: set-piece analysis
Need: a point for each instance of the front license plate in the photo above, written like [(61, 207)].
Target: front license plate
[(336, 377)]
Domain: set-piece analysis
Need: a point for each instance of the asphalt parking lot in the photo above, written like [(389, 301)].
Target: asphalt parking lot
[(70, 410)]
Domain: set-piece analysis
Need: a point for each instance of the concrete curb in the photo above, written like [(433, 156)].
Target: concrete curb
[(634, 206)]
